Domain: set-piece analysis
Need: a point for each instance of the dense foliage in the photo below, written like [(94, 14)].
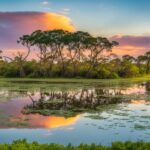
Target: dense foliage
[(24, 145), (77, 54)]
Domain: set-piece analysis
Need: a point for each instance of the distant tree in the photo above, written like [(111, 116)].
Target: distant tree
[(1, 54), (115, 64), (146, 60), (128, 58)]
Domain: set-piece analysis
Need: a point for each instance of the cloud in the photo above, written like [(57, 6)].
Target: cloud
[(15, 24), (45, 2), (132, 45), (66, 9), (133, 40)]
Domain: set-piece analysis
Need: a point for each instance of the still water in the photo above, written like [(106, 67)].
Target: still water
[(102, 113)]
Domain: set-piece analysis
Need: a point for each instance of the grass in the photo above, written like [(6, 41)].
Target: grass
[(24, 145), (24, 84), (73, 80)]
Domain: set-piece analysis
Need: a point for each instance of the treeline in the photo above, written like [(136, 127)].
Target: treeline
[(73, 55), (24, 145)]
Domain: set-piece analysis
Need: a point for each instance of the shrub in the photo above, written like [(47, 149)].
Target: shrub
[(129, 70), (24, 145)]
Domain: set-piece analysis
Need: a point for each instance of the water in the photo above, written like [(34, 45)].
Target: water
[(92, 113)]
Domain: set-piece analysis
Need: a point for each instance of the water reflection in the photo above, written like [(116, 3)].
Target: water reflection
[(147, 85), (55, 122), (83, 100), (39, 121), (57, 108), (138, 102), (88, 114), (71, 103)]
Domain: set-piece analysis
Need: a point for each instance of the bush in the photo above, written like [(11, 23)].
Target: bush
[(105, 70), (55, 72), (11, 71), (24, 145), (129, 70)]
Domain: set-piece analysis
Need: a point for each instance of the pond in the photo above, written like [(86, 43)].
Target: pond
[(75, 113)]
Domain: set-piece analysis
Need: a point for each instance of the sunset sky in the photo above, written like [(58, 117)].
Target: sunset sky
[(126, 21)]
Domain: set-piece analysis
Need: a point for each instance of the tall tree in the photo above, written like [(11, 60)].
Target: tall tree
[(20, 58), (97, 46), (76, 46)]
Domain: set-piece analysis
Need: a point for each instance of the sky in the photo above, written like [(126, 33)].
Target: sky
[(126, 21)]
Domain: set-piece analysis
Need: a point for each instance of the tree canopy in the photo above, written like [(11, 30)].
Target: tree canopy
[(71, 54)]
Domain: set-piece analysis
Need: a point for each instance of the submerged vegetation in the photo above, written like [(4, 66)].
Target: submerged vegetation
[(23, 144), (70, 103), (71, 55)]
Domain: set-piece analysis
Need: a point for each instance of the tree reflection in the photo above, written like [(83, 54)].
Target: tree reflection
[(147, 85), (74, 101)]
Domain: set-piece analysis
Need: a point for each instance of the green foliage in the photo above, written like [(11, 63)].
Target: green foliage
[(129, 70), (71, 55), (24, 145), (101, 71), (10, 70)]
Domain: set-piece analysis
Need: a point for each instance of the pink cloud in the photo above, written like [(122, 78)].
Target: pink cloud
[(132, 45), (15, 24)]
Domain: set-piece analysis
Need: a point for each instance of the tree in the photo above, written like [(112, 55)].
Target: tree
[(147, 60), (57, 39), (97, 46), (144, 59), (128, 58), (20, 58), (1, 54), (76, 46), (66, 48)]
